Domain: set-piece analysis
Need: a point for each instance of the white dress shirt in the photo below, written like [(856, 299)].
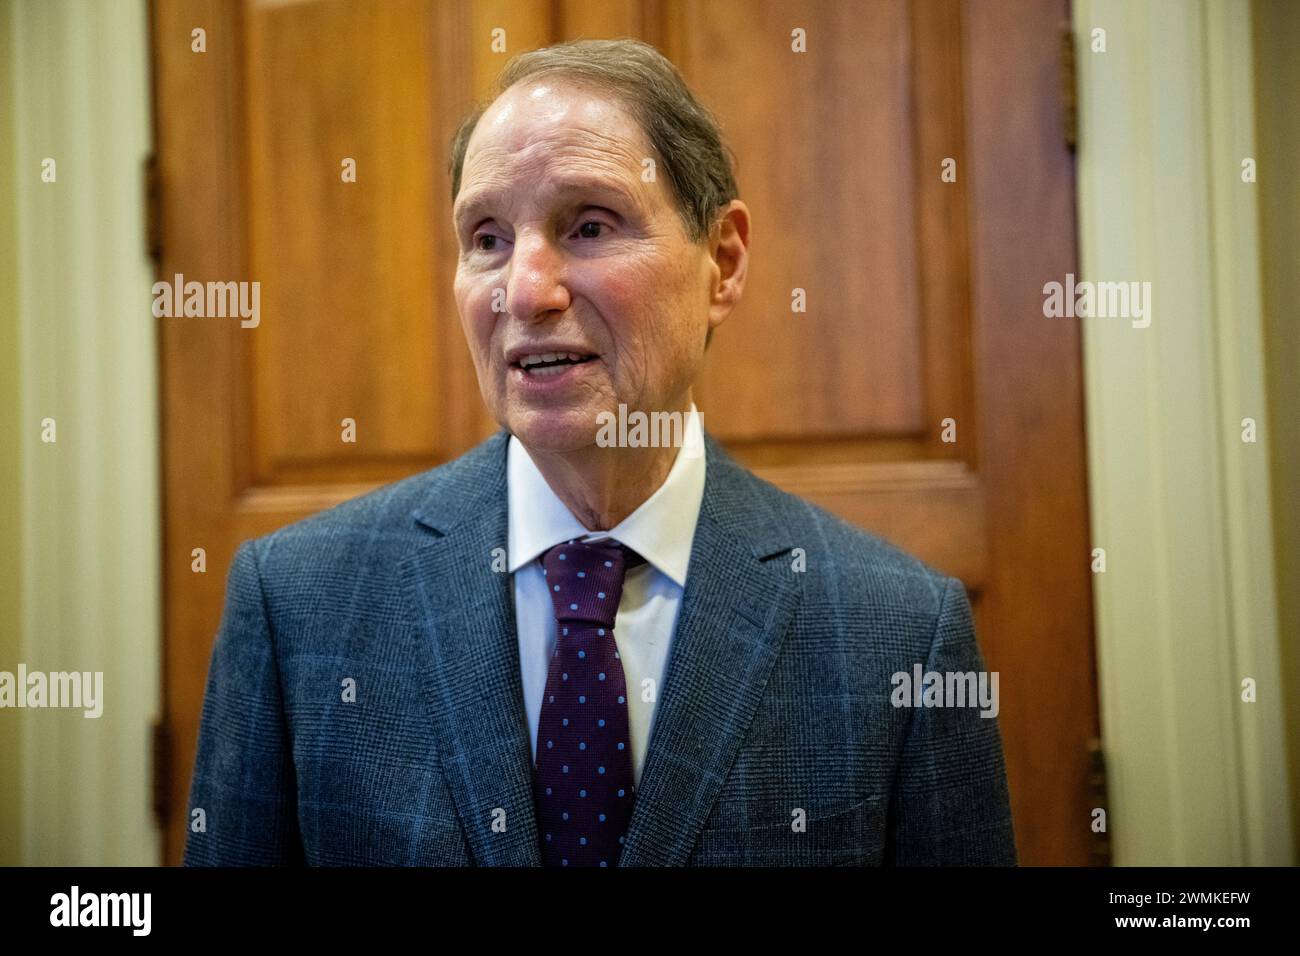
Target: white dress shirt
[(660, 530)]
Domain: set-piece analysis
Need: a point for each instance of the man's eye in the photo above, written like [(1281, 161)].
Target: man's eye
[(590, 229), (479, 240)]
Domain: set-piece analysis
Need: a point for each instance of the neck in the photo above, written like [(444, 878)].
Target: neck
[(603, 485)]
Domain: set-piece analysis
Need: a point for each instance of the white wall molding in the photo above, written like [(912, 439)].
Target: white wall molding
[(90, 501), (1186, 608)]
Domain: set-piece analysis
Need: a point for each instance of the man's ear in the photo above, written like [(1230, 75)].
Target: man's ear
[(729, 249)]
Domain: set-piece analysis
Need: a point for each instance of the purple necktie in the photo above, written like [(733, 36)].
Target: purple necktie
[(583, 776)]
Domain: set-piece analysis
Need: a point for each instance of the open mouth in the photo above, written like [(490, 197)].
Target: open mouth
[(550, 363)]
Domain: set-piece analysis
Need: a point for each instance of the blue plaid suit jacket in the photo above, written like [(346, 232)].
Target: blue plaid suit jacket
[(775, 706)]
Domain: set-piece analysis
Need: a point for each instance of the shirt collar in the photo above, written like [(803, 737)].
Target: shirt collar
[(661, 529)]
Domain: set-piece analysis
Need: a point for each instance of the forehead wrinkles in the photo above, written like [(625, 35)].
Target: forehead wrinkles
[(540, 162), (552, 116), (534, 162)]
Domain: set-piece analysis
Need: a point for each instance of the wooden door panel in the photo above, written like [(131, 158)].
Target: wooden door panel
[(845, 404), (921, 299), (832, 191), (345, 268)]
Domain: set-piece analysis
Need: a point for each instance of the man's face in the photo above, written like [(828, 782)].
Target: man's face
[(582, 258)]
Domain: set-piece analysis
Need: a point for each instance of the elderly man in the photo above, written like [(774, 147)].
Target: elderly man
[(563, 650)]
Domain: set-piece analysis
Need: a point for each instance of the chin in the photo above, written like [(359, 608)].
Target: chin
[(553, 429)]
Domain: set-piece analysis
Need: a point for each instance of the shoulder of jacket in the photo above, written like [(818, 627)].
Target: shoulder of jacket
[(843, 558), (386, 510)]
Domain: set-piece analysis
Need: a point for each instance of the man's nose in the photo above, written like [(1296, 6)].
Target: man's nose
[(535, 286)]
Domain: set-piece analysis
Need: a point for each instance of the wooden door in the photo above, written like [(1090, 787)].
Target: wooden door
[(923, 318)]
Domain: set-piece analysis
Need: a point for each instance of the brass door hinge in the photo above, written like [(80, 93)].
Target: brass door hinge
[(1098, 799), (1069, 89), (153, 209), (161, 750)]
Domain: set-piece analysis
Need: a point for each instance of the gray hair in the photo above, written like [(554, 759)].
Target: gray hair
[(686, 136)]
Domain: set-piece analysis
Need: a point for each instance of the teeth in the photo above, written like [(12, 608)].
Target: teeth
[(549, 370), (530, 360)]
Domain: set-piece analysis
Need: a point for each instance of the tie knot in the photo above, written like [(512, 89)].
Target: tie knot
[(585, 579)]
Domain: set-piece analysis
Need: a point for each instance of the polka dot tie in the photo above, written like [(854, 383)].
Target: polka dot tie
[(583, 776)]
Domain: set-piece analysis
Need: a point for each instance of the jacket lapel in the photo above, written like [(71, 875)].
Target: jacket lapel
[(733, 618), (471, 678)]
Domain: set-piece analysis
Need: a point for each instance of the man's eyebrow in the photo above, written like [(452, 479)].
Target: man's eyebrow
[(469, 207)]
